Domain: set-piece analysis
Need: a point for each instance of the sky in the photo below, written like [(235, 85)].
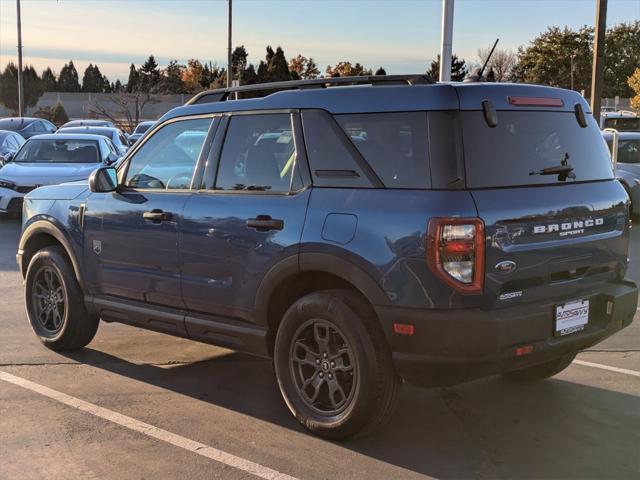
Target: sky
[(403, 36)]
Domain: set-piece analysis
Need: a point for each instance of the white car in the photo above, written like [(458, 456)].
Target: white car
[(627, 164), (51, 159), (622, 120)]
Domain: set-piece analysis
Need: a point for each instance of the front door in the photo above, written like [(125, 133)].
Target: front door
[(248, 217), (131, 235)]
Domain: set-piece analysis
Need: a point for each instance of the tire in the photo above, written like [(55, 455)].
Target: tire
[(342, 325), (542, 371), (55, 302)]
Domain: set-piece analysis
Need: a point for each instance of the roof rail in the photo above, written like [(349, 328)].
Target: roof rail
[(263, 89)]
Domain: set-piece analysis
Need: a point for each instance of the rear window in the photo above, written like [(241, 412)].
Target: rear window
[(623, 124), (393, 144), (143, 127), (59, 151), (524, 143)]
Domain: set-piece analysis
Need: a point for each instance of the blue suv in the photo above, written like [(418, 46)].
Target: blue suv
[(359, 231)]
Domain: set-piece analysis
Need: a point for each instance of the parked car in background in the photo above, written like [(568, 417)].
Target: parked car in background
[(116, 135), (140, 130), (89, 123), (49, 160), (10, 143), (628, 164), (622, 120), (27, 127)]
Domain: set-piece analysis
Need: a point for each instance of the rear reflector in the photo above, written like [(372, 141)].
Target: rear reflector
[(403, 328), (536, 101), (524, 350)]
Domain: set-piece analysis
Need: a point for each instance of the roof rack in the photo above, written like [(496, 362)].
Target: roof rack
[(263, 89)]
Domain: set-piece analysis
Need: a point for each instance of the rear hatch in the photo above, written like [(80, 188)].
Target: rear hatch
[(556, 221)]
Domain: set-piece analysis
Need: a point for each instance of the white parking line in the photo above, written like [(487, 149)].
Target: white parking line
[(149, 430), (607, 367)]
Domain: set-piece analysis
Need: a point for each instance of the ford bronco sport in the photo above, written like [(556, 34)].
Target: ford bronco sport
[(359, 231)]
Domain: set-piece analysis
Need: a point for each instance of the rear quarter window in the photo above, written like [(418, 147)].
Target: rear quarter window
[(526, 142)]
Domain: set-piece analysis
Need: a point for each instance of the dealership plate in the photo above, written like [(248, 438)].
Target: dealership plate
[(572, 317)]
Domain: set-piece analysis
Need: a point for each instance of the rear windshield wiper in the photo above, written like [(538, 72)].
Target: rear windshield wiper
[(563, 170)]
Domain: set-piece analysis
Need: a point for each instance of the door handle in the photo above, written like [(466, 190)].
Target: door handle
[(264, 223), (157, 216)]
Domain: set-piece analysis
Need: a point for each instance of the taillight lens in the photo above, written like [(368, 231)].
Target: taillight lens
[(455, 252)]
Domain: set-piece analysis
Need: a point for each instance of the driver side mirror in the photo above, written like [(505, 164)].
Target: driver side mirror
[(112, 158), (104, 179), (6, 158)]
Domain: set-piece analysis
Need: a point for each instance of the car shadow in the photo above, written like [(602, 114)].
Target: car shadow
[(484, 429)]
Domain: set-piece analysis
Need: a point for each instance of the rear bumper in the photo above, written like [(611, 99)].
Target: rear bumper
[(452, 346)]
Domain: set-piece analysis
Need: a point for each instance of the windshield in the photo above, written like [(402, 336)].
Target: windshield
[(143, 127), (59, 151), (523, 144), (623, 124), (629, 151)]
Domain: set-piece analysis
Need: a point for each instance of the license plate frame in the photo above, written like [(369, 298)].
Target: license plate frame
[(571, 317)]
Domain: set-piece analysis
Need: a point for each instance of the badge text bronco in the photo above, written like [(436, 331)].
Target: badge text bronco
[(574, 227)]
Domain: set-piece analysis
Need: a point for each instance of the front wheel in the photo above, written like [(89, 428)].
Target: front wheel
[(55, 304), (542, 371), (333, 365)]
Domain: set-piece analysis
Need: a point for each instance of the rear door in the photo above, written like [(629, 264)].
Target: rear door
[(554, 216), (247, 217)]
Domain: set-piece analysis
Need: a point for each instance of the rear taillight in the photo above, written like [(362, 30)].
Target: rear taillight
[(455, 252)]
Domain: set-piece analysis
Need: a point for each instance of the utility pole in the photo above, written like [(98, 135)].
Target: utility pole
[(447, 38), (598, 59), (229, 80), (20, 84)]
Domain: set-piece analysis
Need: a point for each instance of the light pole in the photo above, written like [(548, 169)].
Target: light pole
[(597, 75), (229, 73), (573, 57), (20, 85), (447, 38)]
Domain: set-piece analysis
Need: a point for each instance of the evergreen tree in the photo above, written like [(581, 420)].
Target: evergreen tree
[(263, 72), (49, 82), (68, 78), (250, 77), (117, 87), (278, 68), (171, 79), (9, 87), (239, 63), (133, 84), (458, 69), (311, 70), (149, 75), (59, 115), (381, 71), (491, 76)]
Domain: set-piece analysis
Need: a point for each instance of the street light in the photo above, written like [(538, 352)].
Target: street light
[(20, 85), (229, 46)]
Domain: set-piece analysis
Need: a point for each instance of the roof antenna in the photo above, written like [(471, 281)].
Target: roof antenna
[(477, 77)]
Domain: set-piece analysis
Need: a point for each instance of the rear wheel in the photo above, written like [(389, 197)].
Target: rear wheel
[(333, 365), (55, 303), (542, 371)]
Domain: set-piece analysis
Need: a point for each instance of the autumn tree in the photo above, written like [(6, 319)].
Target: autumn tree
[(347, 69), (634, 84), (191, 76)]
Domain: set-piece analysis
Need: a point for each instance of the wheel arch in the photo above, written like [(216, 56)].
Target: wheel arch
[(40, 234), (299, 275)]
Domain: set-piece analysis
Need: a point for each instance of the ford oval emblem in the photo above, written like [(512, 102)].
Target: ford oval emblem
[(506, 266)]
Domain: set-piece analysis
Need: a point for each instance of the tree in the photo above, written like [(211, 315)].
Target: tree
[(192, 75), (634, 83), (117, 87), (278, 67), (124, 109), (93, 81), (171, 79), (301, 67), (59, 115), (501, 62), (311, 70), (9, 87), (263, 72), (381, 71), (548, 59), (133, 84), (68, 78), (621, 58), (149, 75), (346, 69), (239, 63), (458, 69), (49, 82), (491, 76)]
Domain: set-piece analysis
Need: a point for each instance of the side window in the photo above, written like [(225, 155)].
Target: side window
[(168, 158), (19, 141), (39, 127), (331, 156), (258, 154), (393, 144), (123, 140)]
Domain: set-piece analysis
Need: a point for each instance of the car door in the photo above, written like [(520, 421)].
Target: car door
[(131, 235), (247, 217)]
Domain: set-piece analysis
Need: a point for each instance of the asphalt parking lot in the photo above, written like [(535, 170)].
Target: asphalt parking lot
[(141, 405)]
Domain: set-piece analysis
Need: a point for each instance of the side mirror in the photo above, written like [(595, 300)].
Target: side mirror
[(112, 158), (103, 179)]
